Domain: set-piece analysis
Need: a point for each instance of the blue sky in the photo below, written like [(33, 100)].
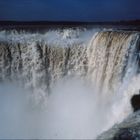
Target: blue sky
[(69, 10)]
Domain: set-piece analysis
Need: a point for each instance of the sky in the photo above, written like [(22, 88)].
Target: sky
[(69, 10)]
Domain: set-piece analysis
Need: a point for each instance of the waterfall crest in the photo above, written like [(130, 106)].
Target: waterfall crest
[(105, 59)]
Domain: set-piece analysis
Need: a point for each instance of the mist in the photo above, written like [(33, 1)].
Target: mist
[(73, 110)]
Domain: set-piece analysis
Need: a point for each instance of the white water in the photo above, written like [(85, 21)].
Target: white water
[(78, 83)]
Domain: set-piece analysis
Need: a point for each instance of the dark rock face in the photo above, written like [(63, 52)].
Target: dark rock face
[(129, 129), (127, 134), (135, 102)]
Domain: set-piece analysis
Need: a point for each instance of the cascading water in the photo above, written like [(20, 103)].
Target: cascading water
[(59, 67)]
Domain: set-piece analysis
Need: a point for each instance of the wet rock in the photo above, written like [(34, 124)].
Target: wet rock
[(127, 134), (129, 129), (135, 102)]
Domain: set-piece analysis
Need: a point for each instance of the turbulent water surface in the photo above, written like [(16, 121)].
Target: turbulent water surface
[(67, 83)]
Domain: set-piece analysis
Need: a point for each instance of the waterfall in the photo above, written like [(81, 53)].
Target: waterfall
[(111, 56), (107, 60)]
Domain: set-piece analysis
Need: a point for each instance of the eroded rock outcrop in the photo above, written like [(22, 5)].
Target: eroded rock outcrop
[(129, 129), (135, 102)]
